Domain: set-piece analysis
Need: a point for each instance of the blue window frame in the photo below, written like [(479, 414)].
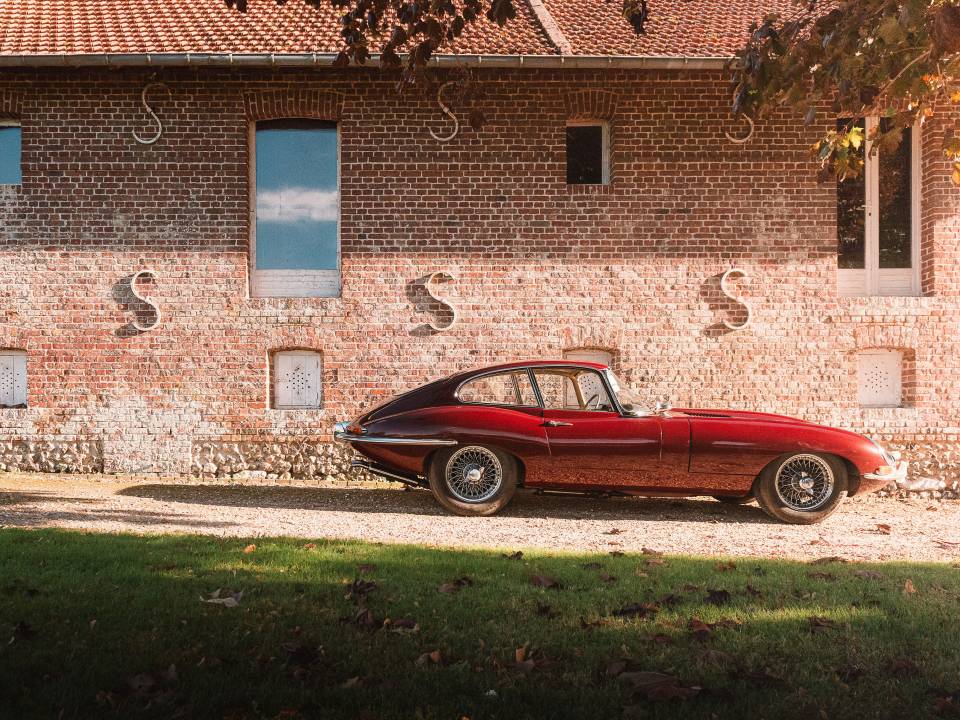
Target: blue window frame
[(296, 249), (10, 151)]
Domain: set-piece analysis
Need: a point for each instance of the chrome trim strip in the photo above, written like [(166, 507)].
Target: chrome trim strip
[(386, 440)]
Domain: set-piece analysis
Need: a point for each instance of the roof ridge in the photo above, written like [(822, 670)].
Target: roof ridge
[(550, 28)]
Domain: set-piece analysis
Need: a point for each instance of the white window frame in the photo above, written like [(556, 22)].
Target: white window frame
[(291, 283), (277, 405), (873, 280), (604, 148), (18, 358)]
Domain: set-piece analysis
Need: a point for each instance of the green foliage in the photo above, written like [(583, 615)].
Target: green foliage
[(896, 59), (123, 626)]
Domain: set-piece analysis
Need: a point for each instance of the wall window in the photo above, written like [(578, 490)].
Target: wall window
[(588, 152), (296, 379), (10, 153), (295, 249), (880, 378), (878, 221), (13, 378)]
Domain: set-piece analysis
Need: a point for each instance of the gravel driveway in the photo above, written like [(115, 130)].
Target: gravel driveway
[(866, 528)]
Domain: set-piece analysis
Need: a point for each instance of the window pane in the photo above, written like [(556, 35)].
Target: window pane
[(572, 390), (896, 204), (10, 156), (501, 389), (851, 218), (297, 197), (584, 154)]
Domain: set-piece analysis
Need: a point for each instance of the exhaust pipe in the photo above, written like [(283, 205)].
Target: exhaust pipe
[(409, 481)]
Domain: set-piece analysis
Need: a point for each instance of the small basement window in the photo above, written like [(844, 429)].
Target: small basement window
[(588, 153), (296, 380), (10, 152), (13, 378), (880, 378)]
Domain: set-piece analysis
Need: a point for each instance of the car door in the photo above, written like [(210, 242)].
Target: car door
[(591, 444)]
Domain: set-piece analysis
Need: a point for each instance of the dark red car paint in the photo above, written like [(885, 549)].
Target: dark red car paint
[(678, 452)]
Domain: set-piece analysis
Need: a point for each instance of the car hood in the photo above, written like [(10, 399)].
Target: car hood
[(713, 413)]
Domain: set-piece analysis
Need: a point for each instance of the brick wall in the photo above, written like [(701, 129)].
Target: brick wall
[(540, 267)]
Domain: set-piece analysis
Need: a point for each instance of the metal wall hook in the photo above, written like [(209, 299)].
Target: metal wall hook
[(724, 288), (146, 106), (147, 301), (446, 110)]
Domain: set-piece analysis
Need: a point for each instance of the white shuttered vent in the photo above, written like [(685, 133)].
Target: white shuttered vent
[(297, 379), (13, 378), (880, 378)]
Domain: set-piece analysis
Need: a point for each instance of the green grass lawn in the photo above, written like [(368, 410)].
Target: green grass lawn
[(113, 626)]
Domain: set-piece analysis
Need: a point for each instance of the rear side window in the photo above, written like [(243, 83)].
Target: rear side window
[(509, 388)]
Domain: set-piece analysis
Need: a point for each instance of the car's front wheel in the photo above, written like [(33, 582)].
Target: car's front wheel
[(802, 488), (473, 479)]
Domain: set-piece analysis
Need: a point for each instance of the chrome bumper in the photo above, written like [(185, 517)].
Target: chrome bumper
[(340, 433), (898, 475)]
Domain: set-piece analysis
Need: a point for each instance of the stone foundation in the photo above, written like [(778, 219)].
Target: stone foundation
[(268, 461), (80, 456)]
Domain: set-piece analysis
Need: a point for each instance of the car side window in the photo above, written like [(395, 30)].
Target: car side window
[(508, 388), (572, 389)]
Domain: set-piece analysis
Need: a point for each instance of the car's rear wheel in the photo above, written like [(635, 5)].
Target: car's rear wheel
[(802, 488), (734, 500), (473, 479)]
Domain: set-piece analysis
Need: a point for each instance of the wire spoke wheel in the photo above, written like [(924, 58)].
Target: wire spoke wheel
[(804, 482), (473, 474)]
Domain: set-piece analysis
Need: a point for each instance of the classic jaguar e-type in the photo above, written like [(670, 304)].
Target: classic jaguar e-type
[(477, 436)]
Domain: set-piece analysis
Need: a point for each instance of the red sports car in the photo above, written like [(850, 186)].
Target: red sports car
[(475, 437)]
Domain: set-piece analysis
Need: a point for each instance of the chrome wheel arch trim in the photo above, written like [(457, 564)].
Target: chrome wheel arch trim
[(388, 440)]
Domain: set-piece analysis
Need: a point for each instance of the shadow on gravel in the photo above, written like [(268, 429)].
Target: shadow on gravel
[(526, 504)]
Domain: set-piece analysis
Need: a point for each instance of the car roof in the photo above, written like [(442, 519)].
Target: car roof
[(466, 375)]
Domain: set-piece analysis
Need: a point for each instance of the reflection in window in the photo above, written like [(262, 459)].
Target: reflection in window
[(10, 151), (510, 388), (851, 216), (895, 204), (588, 161), (297, 206), (572, 390)]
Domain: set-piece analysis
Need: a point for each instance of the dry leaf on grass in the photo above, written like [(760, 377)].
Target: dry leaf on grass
[(545, 581), (226, 598), (455, 586), (908, 588), (249, 549)]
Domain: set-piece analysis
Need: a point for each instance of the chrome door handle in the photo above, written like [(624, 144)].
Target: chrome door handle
[(556, 423)]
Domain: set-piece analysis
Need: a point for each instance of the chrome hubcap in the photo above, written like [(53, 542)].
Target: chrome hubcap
[(804, 482), (473, 475)]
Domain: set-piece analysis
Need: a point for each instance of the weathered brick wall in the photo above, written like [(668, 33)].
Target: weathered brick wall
[(540, 267)]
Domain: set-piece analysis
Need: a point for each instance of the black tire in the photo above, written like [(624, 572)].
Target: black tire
[(733, 500), (456, 462), (828, 475)]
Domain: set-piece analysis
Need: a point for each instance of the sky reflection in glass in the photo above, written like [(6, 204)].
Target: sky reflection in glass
[(297, 196)]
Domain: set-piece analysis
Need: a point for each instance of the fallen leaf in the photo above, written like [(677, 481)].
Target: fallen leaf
[(359, 589), (545, 581), (654, 562), (226, 598), (614, 531), (607, 578), (591, 624), (884, 529), (869, 575), (820, 624), (828, 560), (850, 673), (717, 597), (402, 625), (518, 555), (908, 588), (726, 566), (661, 639), (703, 631), (821, 576), (592, 566), (754, 592), (650, 551), (301, 654), (641, 610), (310, 546), (434, 657), (455, 586), (520, 654), (616, 553), (655, 686), (249, 549)]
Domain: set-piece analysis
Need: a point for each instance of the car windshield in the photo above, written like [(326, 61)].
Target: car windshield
[(629, 401)]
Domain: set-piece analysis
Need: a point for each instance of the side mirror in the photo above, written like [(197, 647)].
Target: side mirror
[(661, 407)]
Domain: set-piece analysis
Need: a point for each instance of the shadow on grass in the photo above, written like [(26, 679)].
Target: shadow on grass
[(113, 626), (526, 504)]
